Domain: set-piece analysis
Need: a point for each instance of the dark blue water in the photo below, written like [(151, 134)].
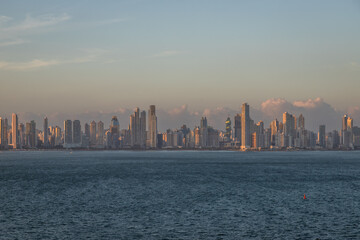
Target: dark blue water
[(179, 195)]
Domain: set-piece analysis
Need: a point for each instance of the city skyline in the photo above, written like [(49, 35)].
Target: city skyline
[(317, 111), (71, 57), (244, 134)]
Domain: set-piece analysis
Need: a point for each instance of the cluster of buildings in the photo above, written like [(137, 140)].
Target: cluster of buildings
[(142, 133)]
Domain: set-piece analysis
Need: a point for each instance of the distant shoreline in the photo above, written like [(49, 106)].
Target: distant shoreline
[(176, 149)]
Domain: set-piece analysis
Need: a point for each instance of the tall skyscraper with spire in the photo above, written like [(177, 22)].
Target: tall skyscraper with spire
[(245, 126), (14, 131), (152, 127)]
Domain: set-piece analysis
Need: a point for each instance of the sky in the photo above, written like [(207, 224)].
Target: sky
[(72, 58)]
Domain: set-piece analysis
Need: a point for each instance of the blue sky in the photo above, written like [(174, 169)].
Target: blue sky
[(78, 56)]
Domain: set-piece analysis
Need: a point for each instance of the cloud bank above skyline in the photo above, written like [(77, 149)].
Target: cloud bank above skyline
[(316, 112)]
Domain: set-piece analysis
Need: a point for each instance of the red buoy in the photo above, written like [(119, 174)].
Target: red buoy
[(304, 196)]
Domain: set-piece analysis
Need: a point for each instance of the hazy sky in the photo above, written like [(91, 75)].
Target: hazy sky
[(79, 56)]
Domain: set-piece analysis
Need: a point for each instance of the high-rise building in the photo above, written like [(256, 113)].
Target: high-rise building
[(45, 132), (197, 137), (87, 130), (68, 132), (57, 136), (21, 133), (93, 133), (136, 132), (152, 127), (344, 122), (2, 133), (245, 126), (289, 125), (137, 127), (301, 122), (76, 133), (228, 129), (349, 124), (6, 126), (203, 132), (100, 133), (237, 127), (30, 134), (143, 129), (133, 130), (321, 136), (114, 133), (14, 131)]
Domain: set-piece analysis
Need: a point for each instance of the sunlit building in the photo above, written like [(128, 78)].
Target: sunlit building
[(14, 131)]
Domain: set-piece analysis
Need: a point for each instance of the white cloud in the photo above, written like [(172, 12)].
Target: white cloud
[(168, 53), (4, 19), (92, 55), (310, 103), (11, 42), (316, 112), (108, 21), (33, 64), (31, 23), (10, 34)]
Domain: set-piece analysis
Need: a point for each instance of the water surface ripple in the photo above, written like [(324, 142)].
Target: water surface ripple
[(179, 195)]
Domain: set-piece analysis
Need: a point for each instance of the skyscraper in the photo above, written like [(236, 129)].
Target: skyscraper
[(100, 133), (6, 142), (76, 132), (237, 127), (114, 133), (14, 131), (349, 124), (21, 133), (228, 129), (2, 133), (30, 134), (152, 127), (245, 126), (301, 122), (45, 132), (289, 125), (203, 132), (132, 128), (344, 122), (67, 132), (93, 133), (321, 136), (143, 129), (87, 130), (137, 126), (57, 136)]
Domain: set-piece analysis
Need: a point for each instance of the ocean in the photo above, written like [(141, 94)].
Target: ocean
[(179, 195)]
